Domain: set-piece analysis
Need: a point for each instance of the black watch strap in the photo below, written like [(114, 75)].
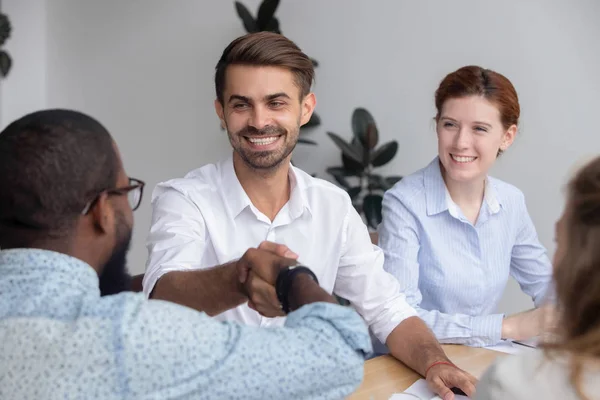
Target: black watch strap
[(284, 283)]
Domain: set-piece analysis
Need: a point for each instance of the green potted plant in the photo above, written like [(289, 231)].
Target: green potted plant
[(266, 21), (5, 60), (360, 157)]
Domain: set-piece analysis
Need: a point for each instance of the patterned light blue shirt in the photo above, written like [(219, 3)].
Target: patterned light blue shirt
[(60, 340), (453, 272)]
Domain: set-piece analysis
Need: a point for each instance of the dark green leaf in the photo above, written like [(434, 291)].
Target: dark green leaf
[(374, 187), (361, 119), (314, 62), (392, 180), (266, 11), (384, 154), (346, 148), (372, 209), (339, 175), (341, 171), (5, 63), (272, 26), (336, 171), (360, 149), (372, 137), (354, 191), (314, 120), (366, 156), (247, 19), (307, 141), (351, 165), (377, 182), (5, 28)]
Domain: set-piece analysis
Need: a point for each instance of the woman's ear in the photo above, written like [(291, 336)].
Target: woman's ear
[(508, 138)]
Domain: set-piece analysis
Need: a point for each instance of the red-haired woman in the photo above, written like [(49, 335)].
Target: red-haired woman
[(452, 235)]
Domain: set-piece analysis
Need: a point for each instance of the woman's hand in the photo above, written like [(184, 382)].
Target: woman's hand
[(529, 323)]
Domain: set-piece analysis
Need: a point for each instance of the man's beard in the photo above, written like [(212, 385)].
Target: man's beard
[(263, 160), (115, 278)]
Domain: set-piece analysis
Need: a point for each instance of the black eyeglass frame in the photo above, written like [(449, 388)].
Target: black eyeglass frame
[(134, 184)]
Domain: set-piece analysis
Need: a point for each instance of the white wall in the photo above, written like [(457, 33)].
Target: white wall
[(145, 69), (24, 89)]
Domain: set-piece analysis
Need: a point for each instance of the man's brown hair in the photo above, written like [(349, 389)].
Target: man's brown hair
[(266, 49)]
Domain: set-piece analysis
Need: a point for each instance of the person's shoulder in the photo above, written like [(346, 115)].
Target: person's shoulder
[(410, 189), (199, 180), (528, 374), (506, 190), (320, 188), (510, 196)]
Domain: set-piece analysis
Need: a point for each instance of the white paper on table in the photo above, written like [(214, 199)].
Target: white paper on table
[(507, 346), (420, 390)]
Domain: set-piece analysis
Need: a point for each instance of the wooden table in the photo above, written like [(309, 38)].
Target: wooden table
[(384, 375)]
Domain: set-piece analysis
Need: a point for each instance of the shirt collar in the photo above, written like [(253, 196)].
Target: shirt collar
[(490, 196), (237, 200), (435, 188), (53, 266), (299, 185), (438, 198)]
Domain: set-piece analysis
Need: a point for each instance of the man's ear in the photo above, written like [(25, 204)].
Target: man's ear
[(220, 112), (308, 106), (103, 214)]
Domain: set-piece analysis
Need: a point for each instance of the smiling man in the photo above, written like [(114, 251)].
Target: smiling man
[(205, 221)]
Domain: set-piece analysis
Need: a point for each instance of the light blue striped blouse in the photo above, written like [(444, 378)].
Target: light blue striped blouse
[(453, 272)]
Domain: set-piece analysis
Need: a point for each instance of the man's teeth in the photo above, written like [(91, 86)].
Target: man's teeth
[(463, 159), (263, 141)]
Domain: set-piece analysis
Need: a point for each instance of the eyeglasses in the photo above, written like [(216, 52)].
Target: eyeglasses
[(134, 192)]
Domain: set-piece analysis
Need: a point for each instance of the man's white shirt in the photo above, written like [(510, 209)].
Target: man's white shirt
[(206, 219)]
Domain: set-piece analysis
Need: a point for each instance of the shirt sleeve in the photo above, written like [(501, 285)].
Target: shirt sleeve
[(177, 236), (530, 265), (175, 352), (362, 281), (399, 239)]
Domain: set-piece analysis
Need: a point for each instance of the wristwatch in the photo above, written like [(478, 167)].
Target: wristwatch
[(285, 278)]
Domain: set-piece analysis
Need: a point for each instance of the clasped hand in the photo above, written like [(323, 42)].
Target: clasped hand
[(257, 272)]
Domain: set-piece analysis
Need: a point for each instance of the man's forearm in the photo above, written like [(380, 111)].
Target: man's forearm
[(305, 290), (213, 290), (413, 343)]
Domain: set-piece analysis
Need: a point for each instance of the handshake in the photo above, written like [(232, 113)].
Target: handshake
[(271, 286)]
